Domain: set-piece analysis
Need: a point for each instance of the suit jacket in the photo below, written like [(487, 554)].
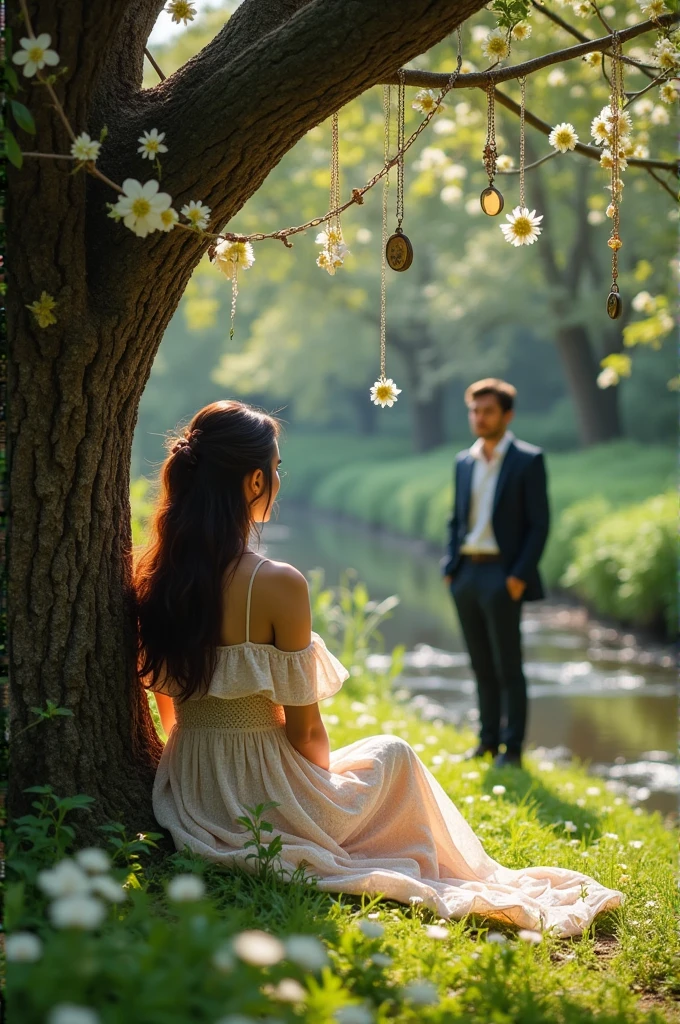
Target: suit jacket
[(520, 519)]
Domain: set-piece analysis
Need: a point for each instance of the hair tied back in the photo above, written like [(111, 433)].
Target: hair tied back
[(187, 446)]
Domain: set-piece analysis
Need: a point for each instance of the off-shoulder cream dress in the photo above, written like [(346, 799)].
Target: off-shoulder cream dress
[(376, 822)]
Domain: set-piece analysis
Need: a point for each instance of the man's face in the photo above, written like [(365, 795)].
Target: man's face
[(487, 419)]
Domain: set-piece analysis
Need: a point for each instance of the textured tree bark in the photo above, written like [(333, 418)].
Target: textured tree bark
[(275, 71)]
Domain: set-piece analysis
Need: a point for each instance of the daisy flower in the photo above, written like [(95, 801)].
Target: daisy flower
[(496, 46), (665, 55), (197, 214), (141, 206), (582, 8), (659, 116), (643, 107), (425, 101), (84, 148), (563, 137), (384, 392), (522, 227), (668, 93), (231, 256), (522, 30), (35, 54), (330, 260), (641, 152), (556, 77), (599, 129), (181, 10), (332, 238), (151, 144), (169, 218), (592, 59), (504, 162)]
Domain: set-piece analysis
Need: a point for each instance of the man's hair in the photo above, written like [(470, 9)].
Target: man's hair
[(504, 392)]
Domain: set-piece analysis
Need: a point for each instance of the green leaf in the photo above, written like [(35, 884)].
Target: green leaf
[(13, 150), (23, 116), (11, 78)]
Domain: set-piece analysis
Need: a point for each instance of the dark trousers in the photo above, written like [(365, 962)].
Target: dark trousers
[(490, 621)]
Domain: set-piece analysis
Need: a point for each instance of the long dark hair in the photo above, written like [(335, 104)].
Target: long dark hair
[(201, 523)]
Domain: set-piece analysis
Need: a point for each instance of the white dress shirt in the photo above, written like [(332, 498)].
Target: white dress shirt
[(480, 537)]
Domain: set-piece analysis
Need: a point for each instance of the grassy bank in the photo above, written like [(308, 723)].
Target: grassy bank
[(175, 942)]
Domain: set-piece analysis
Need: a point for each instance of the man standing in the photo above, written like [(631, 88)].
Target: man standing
[(497, 533)]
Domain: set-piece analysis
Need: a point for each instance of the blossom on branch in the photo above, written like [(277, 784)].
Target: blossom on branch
[(520, 31), (141, 206), (426, 100), (151, 144), (181, 10), (35, 54), (496, 46), (197, 214), (85, 148), (231, 256), (653, 8), (563, 137), (668, 93)]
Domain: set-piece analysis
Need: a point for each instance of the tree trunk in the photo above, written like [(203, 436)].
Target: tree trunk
[(74, 387), (597, 409), (427, 418)]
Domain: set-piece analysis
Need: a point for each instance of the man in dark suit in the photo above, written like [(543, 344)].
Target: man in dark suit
[(497, 533)]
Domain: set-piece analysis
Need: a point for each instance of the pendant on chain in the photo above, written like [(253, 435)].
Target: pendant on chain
[(398, 250), (614, 300), (491, 199)]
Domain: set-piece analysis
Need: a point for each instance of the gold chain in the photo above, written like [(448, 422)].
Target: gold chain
[(490, 152), (522, 107), (616, 100), (383, 258), (401, 132)]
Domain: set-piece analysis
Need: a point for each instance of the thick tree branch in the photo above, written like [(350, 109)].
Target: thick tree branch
[(433, 79)]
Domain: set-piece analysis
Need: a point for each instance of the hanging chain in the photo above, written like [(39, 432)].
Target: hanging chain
[(523, 97), (401, 132), (383, 258), (616, 101), (490, 152), (335, 171)]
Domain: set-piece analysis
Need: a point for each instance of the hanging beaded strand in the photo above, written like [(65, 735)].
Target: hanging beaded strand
[(522, 132), (614, 301), (491, 200), (384, 391)]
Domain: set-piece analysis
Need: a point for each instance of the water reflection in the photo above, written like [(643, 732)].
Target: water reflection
[(593, 693)]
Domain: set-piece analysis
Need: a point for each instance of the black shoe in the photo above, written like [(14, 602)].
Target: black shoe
[(480, 751), (507, 758)]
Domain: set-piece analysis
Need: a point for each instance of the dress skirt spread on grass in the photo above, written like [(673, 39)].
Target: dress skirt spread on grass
[(376, 822)]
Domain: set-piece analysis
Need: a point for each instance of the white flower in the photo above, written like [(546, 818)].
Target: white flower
[(659, 116), (371, 929), (556, 77), (330, 260), (485, 798), (665, 55), (504, 162), (168, 219), (563, 137), (436, 931), (259, 948), (415, 900), (527, 935), (306, 952), (522, 30), (583, 8), (288, 990), (84, 148), (636, 843), (77, 912), (599, 128), (595, 217), (381, 959), (668, 93), (592, 59), (35, 54), (197, 214), (522, 227), (102, 885), (451, 194), (186, 888), (23, 947), (181, 10), (141, 206), (422, 993), (69, 1013), (607, 378), (641, 152), (151, 144), (569, 826), (65, 879), (496, 937), (467, 67), (610, 835), (498, 790), (384, 392), (230, 257), (425, 100), (355, 1014), (593, 791), (653, 8), (643, 107), (496, 46), (93, 859), (643, 303)]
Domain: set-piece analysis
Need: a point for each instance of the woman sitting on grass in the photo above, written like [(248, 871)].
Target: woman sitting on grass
[(225, 643)]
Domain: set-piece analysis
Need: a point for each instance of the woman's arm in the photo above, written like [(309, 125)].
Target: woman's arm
[(166, 709)]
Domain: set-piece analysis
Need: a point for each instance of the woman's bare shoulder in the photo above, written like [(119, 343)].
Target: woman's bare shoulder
[(285, 577)]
